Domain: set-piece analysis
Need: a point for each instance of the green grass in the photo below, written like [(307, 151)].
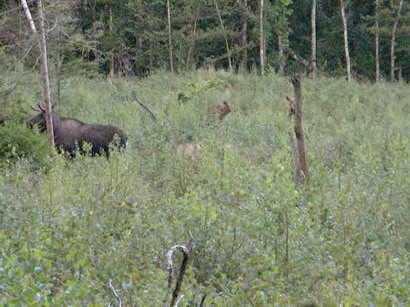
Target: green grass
[(70, 226)]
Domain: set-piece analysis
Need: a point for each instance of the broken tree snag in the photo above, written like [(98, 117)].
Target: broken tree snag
[(170, 270), (302, 175), (154, 118), (291, 106)]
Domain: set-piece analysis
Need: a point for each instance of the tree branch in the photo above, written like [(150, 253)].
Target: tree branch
[(170, 270), (154, 118), (115, 293)]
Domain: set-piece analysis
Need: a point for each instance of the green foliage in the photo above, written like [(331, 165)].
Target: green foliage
[(18, 142), (255, 240), (135, 34)]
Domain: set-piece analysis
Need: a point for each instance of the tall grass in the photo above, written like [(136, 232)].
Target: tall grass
[(70, 227)]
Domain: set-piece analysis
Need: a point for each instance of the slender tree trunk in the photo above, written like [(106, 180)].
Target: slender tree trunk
[(192, 44), (44, 68), (59, 59), (45, 76), (228, 50), (171, 62), (28, 15), (313, 42), (244, 31), (138, 48), (281, 57), (262, 50), (346, 41), (302, 174), (393, 42), (377, 43), (111, 53)]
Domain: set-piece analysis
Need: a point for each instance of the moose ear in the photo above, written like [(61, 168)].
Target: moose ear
[(35, 109)]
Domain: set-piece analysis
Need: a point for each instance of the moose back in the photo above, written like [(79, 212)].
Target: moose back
[(71, 134)]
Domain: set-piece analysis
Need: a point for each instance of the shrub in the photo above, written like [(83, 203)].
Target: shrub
[(19, 142)]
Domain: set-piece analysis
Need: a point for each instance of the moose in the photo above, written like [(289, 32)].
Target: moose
[(71, 134), (221, 110)]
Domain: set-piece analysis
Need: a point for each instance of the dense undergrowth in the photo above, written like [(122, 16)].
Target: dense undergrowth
[(68, 227)]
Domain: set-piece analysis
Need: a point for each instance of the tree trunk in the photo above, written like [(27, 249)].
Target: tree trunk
[(244, 31), (60, 59), (192, 44), (28, 15), (302, 174), (111, 53), (45, 76), (171, 62), (346, 41), (262, 50), (313, 41), (377, 42), (228, 50), (281, 57), (393, 42)]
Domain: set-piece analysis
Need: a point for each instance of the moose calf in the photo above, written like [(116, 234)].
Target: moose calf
[(222, 111), (187, 150), (71, 134)]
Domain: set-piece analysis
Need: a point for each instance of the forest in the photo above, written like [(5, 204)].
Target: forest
[(263, 151), (368, 39)]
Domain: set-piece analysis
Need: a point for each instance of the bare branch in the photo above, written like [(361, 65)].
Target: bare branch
[(36, 42), (170, 270), (154, 118), (182, 296), (233, 52), (115, 293), (55, 24), (72, 40)]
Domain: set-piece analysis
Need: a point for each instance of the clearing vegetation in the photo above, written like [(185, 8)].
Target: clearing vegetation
[(92, 230)]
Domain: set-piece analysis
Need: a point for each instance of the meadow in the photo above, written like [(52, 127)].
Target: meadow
[(71, 227)]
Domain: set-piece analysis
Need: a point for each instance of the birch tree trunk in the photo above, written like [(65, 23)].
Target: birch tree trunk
[(262, 50), (171, 62), (192, 43), (281, 57), (313, 41), (346, 41), (45, 76), (28, 15), (111, 53), (393, 42), (244, 63), (228, 50), (377, 42)]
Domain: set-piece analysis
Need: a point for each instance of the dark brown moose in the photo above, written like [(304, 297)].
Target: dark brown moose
[(222, 111), (71, 134)]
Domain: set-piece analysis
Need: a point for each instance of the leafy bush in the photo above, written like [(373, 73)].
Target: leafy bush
[(18, 142)]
